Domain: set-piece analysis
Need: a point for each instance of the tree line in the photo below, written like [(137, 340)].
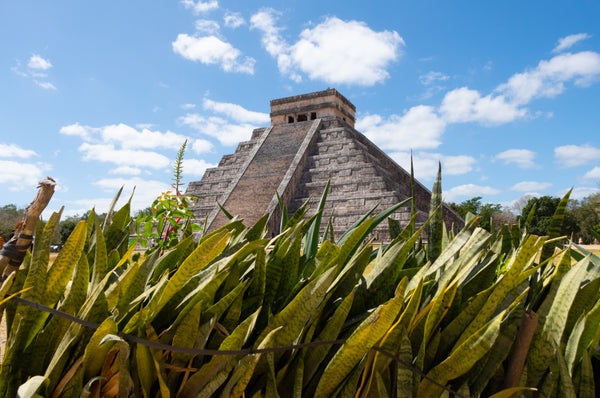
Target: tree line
[(582, 217)]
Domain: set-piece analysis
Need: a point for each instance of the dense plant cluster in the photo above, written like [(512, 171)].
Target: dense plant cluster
[(409, 321)]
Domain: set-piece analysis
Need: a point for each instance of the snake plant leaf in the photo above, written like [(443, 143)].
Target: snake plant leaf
[(555, 226), (365, 336), (258, 230), (587, 384), (376, 221), (547, 339), (349, 386), (186, 333), (55, 281), (145, 368), (566, 387), (275, 263), (117, 235), (61, 270), (94, 309), (510, 392), (315, 355), (256, 290), (404, 375), (243, 371), (95, 352), (206, 252), (171, 259), (30, 388), (296, 314), (214, 373), (435, 229), (384, 275), (573, 343), (394, 228), (449, 253), (485, 369), (217, 309), (586, 298), (520, 260), (311, 245), (125, 381), (462, 359), (99, 261), (440, 306), (206, 290), (130, 284), (582, 335)]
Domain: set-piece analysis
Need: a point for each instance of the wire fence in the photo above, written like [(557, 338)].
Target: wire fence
[(242, 352)]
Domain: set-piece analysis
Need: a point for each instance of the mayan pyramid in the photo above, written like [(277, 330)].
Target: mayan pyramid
[(311, 140)]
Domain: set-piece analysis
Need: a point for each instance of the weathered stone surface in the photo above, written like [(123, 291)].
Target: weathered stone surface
[(311, 140)]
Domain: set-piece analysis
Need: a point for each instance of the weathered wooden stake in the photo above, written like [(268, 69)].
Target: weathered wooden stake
[(520, 349), (13, 251)]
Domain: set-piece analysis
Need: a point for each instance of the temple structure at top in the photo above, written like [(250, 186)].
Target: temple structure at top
[(311, 140)]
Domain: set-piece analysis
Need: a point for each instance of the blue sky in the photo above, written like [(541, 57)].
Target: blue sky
[(100, 95)]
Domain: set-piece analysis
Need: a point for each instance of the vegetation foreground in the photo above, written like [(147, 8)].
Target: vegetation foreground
[(471, 314)]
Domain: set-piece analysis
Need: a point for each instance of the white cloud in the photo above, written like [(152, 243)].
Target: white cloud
[(528, 186), (126, 170), (200, 6), (15, 151), (37, 62), (188, 106), (468, 190), (522, 158), (576, 155), (200, 146), (236, 112), (465, 105), (126, 136), (342, 52), (207, 26), (145, 193), (432, 77), (593, 174), (78, 130), (548, 79), (195, 167), (211, 50), (418, 128), (20, 176), (46, 85), (129, 137), (579, 192), (147, 126), (569, 41), (35, 71), (123, 157), (426, 164), (233, 20), (334, 51), (226, 132), (265, 21)]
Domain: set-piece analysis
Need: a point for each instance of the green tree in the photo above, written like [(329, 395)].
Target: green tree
[(474, 206), (587, 217), (545, 206), (65, 228), (10, 215)]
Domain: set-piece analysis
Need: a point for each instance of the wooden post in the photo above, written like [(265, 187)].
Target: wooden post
[(520, 349), (13, 251)]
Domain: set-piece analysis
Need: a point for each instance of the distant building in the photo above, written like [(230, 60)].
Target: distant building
[(311, 140)]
